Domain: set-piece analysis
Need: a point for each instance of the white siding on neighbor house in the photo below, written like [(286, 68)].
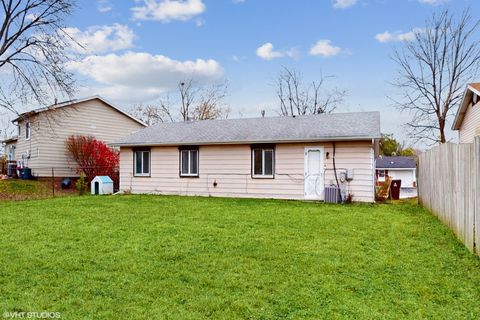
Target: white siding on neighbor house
[(230, 167), (408, 176), (470, 125), (51, 129)]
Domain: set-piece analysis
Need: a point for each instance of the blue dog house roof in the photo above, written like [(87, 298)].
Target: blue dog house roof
[(104, 179)]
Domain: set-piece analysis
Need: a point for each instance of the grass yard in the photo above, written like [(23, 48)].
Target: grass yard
[(16, 189), (155, 257)]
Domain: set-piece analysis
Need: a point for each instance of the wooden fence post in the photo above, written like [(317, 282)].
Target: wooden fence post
[(476, 194), (53, 182)]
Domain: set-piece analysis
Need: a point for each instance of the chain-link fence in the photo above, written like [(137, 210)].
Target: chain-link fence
[(44, 182)]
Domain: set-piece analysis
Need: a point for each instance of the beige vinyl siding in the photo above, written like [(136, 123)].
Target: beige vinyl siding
[(51, 129), (470, 125), (230, 167)]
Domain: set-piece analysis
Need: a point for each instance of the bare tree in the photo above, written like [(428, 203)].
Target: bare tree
[(33, 51), (152, 114), (298, 98), (195, 102), (211, 104), (187, 97), (433, 70)]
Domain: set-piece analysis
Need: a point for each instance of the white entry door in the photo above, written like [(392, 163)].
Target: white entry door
[(314, 173)]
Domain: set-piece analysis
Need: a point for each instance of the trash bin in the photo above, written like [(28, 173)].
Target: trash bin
[(395, 189), (26, 173), (66, 183)]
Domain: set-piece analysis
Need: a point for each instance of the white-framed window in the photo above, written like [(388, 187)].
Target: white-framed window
[(28, 129), (11, 153), (381, 175), (189, 162), (141, 163), (263, 162)]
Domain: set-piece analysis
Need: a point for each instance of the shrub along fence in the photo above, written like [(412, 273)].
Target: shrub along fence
[(449, 186)]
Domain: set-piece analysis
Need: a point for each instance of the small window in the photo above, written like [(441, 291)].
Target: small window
[(189, 163), (27, 130), (11, 153), (381, 175), (141, 164), (263, 162)]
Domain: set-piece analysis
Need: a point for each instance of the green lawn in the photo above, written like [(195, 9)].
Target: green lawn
[(16, 189), (155, 257)]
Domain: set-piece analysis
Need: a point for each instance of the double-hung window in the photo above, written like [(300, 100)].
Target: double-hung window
[(189, 161), (28, 128), (263, 161), (381, 175), (141, 162)]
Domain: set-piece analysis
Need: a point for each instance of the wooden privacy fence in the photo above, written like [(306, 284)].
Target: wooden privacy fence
[(449, 186)]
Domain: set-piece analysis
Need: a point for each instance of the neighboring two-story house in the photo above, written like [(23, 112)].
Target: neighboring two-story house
[(467, 120), (40, 143)]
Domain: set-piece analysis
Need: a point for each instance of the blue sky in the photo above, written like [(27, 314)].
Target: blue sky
[(138, 50)]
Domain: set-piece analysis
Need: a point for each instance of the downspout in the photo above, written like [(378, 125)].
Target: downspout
[(335, 171)]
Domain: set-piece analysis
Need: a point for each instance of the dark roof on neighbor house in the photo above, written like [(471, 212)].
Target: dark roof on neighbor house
[(395, 163), (322, 127), (73, 102), (472, 88), (12, 139)]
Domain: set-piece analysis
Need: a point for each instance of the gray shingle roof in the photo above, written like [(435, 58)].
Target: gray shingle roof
[(323, 127), (395, 162)]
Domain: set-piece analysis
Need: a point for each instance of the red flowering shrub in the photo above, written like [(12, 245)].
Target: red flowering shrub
[(93, 157)]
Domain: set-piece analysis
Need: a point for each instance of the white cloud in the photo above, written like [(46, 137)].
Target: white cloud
[(238, 58), (238, 1), (267, 52), (397, 36), (143, 75), (433, 2), (168, 10), (31, 16), (324, 48), (342, 4), (199, 22), (99, 39), (104, 6)]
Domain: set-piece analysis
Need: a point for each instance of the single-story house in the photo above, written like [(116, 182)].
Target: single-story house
[(398, 168), (42, 133), (268, 157), (467, 119)]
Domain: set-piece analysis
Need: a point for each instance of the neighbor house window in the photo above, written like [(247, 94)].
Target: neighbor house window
[(381, 175), (189, 162), (263, 161), (11, 153), (27, 130), (141, 162)]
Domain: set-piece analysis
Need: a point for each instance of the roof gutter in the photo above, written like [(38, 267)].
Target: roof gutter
[(361, 138), (397, 169)]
